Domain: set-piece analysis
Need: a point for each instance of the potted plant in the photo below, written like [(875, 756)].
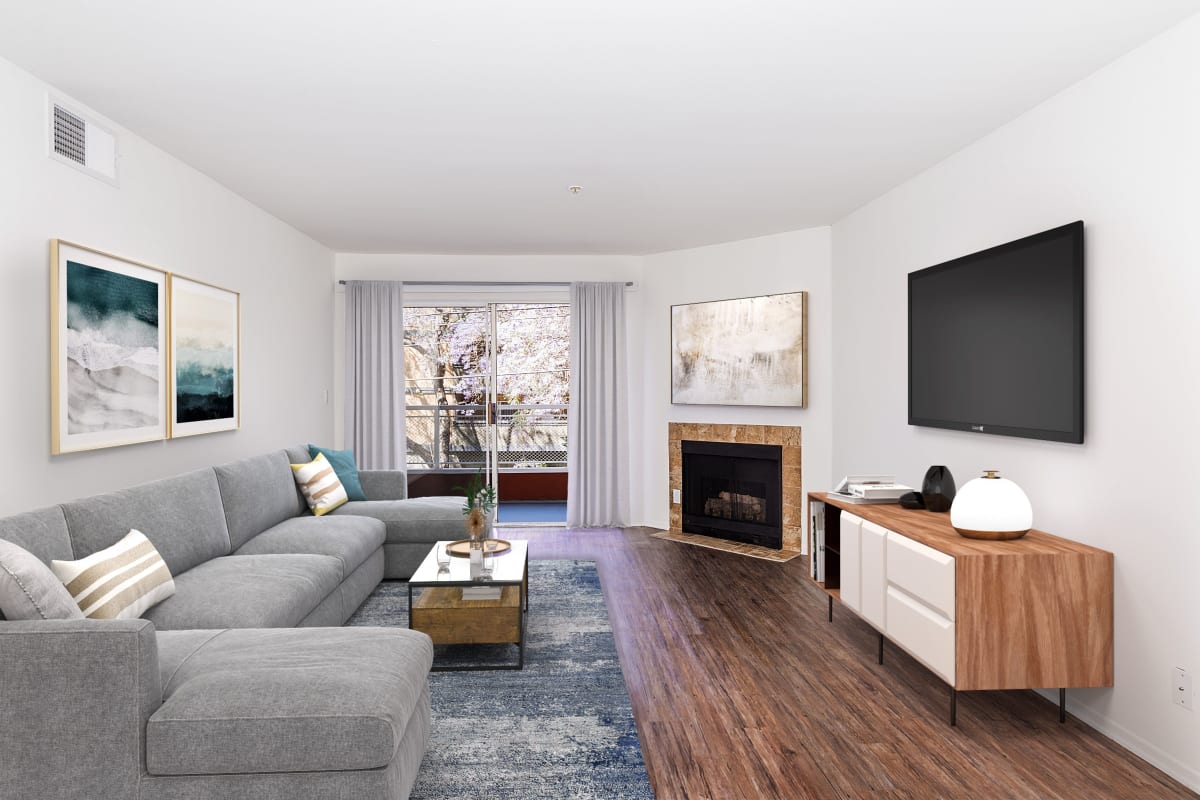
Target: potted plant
[(481, 500)]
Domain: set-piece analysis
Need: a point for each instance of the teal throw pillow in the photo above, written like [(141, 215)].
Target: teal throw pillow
[(345, 467)]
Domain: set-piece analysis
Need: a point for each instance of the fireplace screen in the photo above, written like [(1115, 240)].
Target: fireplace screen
[(733, 491)]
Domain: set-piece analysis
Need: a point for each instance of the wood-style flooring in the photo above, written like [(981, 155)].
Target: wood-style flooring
[(742, 689)]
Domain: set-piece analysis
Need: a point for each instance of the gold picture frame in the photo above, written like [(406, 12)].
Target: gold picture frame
[(205, 357), (109, 319)]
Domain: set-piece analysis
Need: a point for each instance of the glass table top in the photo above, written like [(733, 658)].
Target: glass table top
[(508, 567)]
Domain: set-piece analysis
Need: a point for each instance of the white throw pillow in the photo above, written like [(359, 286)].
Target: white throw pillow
[(118, 582), (320, 484)]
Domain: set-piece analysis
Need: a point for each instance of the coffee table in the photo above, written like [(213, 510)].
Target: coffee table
[(439, 610)]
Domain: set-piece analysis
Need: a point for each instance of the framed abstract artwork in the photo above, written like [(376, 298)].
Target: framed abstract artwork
[(205, 357), (752, 351), (108, 350)]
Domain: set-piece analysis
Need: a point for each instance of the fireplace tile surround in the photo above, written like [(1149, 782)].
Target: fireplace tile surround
[(786, 436)]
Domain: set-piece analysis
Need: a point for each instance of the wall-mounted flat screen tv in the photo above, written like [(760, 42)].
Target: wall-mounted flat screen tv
[(995, 339)]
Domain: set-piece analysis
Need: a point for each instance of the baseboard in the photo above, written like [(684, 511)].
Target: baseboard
[(1186, 774)]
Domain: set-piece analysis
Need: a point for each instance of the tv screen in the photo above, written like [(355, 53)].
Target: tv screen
[(995, 339)]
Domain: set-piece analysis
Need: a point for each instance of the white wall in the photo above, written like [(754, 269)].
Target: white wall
[(786, 262), (1120, 150), (168, 215), (483, 268)]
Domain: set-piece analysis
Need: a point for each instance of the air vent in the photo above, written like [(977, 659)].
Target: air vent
[(70, 135), (82, 143)]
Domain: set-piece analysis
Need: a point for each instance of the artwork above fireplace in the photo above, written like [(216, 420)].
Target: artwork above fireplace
[(752, 351)]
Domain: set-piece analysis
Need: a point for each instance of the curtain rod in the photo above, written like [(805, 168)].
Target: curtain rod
[(486, 283)]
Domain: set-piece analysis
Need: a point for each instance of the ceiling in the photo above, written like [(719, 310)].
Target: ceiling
[(456, 126)]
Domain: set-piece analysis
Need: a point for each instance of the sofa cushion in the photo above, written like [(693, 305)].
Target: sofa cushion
[(257, 493), (345, 466), (29, 590), (349, 539), (42, 532), (420, 519), (272, 591), (176, 647), (181, 515), (322, 699), (384, 484), (298, 454), (118, 582)]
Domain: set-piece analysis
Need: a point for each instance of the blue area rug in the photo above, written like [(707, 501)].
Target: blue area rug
[(561, 728)]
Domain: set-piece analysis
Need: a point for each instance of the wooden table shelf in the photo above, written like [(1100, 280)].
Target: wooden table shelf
[(436, 605)]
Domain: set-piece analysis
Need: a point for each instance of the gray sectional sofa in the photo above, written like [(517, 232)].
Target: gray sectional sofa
[(215, 693)]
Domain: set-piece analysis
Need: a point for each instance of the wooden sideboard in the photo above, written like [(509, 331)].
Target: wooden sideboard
[(1032, 613)]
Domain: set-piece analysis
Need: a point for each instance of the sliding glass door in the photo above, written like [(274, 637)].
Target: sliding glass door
[(487, 389)]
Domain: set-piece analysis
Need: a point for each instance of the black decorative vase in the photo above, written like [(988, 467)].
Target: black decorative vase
[(938, 489)]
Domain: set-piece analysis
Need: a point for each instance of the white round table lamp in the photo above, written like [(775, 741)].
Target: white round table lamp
[(991, 507)]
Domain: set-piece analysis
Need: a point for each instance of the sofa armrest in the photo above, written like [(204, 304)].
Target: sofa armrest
[(76, 697), (384, 484)]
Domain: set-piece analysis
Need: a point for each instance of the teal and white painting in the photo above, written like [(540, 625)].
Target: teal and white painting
[(109, 347), (204, 357)]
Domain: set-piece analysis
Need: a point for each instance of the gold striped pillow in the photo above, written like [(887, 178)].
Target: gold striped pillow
[(118, 582), (320, 484)]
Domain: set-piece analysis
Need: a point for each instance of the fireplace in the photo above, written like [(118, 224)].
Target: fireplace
[(733, 491)]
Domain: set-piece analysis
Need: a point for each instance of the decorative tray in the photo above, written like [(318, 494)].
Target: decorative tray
[(491, 547)]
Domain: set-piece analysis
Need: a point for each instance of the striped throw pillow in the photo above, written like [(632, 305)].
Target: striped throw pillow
[(118, 582), (320, 484)]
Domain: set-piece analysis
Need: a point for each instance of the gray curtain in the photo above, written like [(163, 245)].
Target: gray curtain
[(597, 422), (374, 426)]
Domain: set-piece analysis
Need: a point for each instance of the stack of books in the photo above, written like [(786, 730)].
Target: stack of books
[(865, 489), (481, 592)]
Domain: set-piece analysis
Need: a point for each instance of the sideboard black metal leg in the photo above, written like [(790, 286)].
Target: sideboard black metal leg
[(881, 648), (831, 608), (1062, 705), (953, 706)]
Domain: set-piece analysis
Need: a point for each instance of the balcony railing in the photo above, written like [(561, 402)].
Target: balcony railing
[(455, 436)]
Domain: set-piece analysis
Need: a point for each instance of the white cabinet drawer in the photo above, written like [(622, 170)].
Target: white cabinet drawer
[(924, 633), (872, 551), (851, 586), (922, 572)]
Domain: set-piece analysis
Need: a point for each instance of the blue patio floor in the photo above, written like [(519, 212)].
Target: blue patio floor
[(539, 512)]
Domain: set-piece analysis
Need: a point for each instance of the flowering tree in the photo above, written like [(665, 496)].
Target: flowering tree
[(446, 364)]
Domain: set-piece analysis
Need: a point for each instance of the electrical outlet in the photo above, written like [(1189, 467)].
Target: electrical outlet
[(1181, 688), (676, 496)]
